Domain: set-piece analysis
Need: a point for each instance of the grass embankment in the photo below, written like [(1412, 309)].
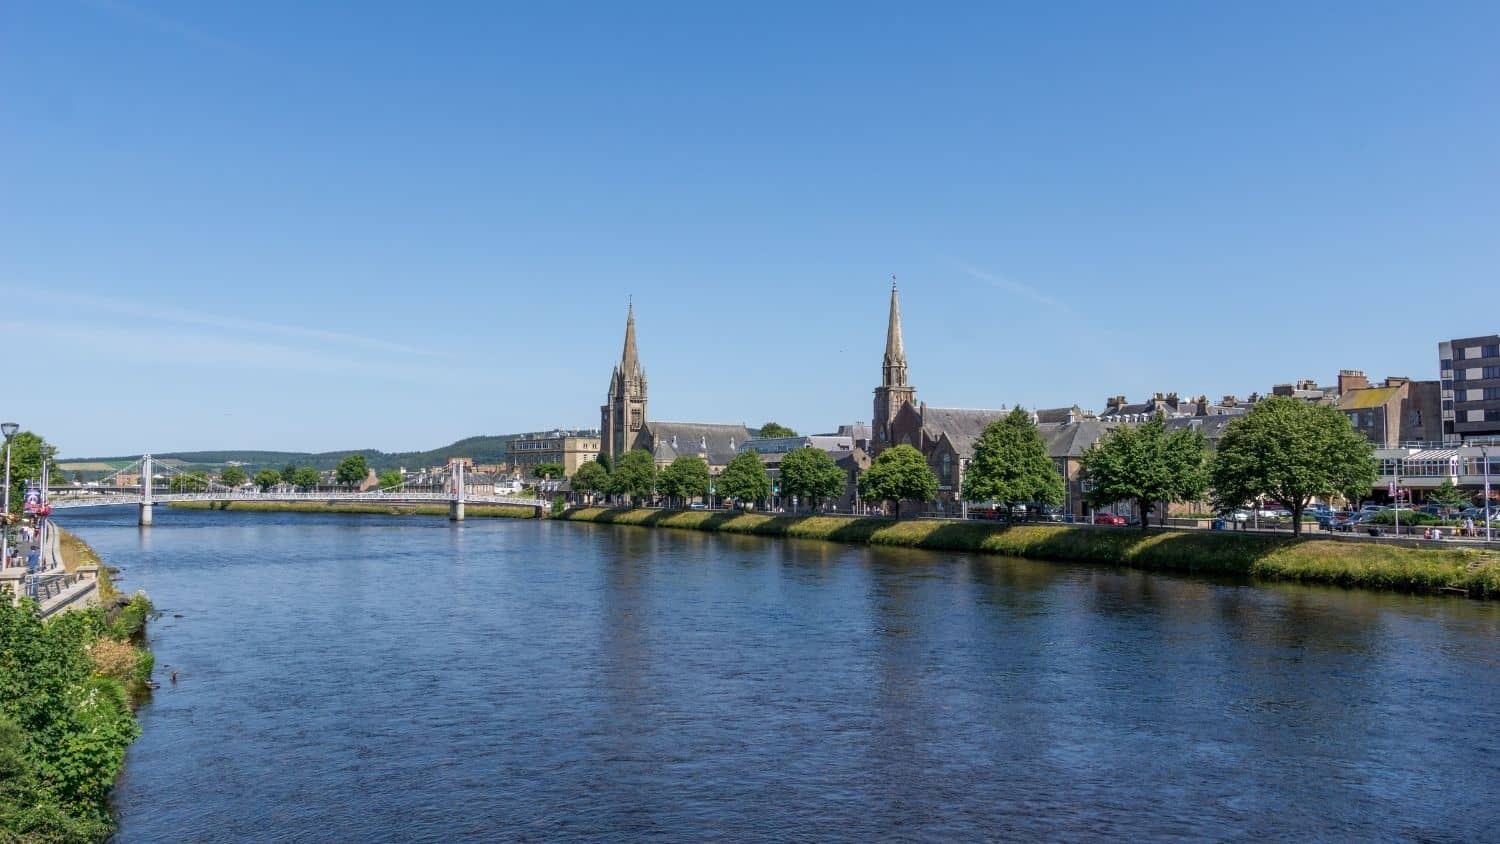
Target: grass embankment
[(76, 552), (1308, 560), (67, 687), (479, 511)]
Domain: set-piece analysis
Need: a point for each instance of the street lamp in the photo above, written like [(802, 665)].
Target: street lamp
[(9, 429), (1484, 455)]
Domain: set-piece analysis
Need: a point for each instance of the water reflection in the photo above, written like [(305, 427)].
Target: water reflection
[(386, 679)]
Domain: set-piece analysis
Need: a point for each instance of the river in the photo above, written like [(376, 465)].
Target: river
[(350, 678)]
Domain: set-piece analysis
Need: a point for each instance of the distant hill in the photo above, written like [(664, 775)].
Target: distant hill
[(486, 449)]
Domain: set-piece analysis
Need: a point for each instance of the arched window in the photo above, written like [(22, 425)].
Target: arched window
[(947, 468)]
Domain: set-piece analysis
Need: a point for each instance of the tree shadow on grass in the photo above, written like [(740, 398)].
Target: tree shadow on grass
[(1202, 552)]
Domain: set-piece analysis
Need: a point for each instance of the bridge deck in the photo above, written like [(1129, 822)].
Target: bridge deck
[(63, 501)]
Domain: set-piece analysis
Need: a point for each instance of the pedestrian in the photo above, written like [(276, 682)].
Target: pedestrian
[(1469, 527)]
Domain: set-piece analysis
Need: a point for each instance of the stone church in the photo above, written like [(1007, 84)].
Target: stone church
[(946, 435), (624, 425)]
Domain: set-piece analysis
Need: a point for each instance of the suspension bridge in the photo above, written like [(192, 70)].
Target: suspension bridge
[(162, 484)]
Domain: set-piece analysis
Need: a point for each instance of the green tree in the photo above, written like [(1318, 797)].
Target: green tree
[(1146, 464), (1292, 451), (811, 475), (898, 474), (590, 478), (634, 476), (745, 480), (1011, 465), (547, 470), (189, 482), (232, 477), (27, 451), (351, 470), (1450, 497), (267, 478), (390, 479), (305, 477), (771, 429), (686, 477), (603, 460), (288, 472)]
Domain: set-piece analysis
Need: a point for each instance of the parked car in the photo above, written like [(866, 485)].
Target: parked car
[(1329, 520), (1349, 523), (1109, 519), (1238, 516)]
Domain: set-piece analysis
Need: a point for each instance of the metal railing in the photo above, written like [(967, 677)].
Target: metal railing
[(68, 502)]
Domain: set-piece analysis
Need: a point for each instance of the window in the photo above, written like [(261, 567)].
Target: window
[(1492, 415), (947, 470), (1447, 404), (1492, 350), (1446, 363), (1491, 393), (1492, 371)]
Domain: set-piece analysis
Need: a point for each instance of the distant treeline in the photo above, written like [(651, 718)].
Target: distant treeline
[(487, 449)]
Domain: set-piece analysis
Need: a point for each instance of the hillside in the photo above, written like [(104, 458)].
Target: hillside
[(483, 449)]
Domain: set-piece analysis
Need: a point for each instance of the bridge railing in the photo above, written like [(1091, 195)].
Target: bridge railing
[(101, 500)]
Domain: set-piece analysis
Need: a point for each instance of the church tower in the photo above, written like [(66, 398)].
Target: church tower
[(623, 418), (893, 391)]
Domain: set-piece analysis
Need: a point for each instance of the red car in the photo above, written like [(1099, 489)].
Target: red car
[(1109, 519)]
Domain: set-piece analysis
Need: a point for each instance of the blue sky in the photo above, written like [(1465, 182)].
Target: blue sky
[(391, 225)]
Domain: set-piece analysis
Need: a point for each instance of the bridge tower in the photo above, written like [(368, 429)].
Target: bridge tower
[(146, 491), (456, 476)]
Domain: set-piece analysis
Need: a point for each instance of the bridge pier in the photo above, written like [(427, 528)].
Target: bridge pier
[(456, 511), (145, 514)]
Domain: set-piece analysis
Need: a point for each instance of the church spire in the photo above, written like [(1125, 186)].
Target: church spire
[(894, 367), (630, 362)]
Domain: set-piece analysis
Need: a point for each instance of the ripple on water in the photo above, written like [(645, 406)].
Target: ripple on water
[(399, 679)]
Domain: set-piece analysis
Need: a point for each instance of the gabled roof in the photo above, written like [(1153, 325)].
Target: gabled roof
[(961, 425), (676, 439), (1363, 399), (1212, 426), (1058, 414), (1072, 439)]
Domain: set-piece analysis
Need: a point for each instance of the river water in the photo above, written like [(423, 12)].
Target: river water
[(348, 678)]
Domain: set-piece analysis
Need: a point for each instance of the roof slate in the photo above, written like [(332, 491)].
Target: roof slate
[(722, 440)]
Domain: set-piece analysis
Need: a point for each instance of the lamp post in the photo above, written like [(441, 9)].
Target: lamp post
[(9, 429), (1484, 455)]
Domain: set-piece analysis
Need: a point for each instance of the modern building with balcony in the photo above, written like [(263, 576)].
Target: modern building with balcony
[(1470, 374)]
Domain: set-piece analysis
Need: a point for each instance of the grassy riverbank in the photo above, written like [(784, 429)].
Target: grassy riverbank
[(476, 511), (1309, 560), (76, 552)]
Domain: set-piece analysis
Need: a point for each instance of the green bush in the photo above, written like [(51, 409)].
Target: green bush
[(63, 728), (131, 619)]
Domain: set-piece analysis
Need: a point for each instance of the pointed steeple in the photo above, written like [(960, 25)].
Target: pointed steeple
[(629, 360), (893, 370)]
